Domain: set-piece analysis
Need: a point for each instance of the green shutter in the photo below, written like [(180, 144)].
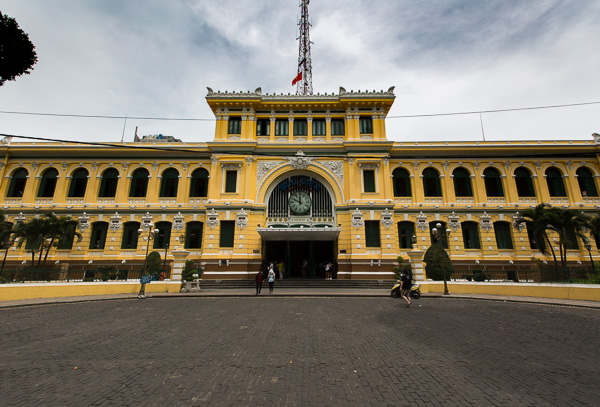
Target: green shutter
[(366, 125), (227, 233), (235, 125), (282, 127), (503, 236), (318, 127), (230, 181), (405, 233), (372, 237), (300, 127), (337, 127), (369, 180)]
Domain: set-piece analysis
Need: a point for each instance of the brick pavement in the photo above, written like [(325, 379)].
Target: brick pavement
[(280, 351)]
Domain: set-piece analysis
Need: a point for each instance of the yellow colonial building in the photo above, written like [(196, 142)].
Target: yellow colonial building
[(302, 180)]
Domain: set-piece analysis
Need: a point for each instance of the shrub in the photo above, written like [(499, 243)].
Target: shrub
[(152, 264), (188, 271), (437, 260), (479, 275)]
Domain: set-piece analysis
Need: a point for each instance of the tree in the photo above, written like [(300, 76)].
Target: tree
[(437, 262), (537, 220), (569, 224), (60, 229), (31, 233), (17, 52), (152, 264)]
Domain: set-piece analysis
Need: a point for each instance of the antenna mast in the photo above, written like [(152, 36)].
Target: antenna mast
[(304, 86)]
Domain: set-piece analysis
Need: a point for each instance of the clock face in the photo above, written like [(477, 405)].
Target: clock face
[(299, 202)]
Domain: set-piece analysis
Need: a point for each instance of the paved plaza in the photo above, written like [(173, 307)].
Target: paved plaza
[(282, 351)]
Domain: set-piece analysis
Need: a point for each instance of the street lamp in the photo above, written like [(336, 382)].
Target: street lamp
[(589, 249), (151, 234), (437, 235)]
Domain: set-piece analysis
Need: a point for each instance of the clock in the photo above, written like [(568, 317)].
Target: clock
[(299, 202)]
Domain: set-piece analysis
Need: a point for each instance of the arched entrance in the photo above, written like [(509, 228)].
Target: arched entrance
[(300, 227)]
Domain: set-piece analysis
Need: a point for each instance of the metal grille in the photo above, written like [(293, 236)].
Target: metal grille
[(321, 200)]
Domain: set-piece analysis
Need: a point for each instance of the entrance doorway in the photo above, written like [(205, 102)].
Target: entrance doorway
[(302, 259)]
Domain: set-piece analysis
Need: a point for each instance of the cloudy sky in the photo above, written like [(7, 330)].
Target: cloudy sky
[(153, 58)]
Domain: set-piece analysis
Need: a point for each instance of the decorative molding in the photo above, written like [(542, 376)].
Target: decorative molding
[(357, 219), (422, 224), (115, 222), (445, 164), (387, 218), (249, 160), (519, 226), (241, 219), (485, 221), (84, 222), (147, 222), (212, 218), (178, 223), (335, 167), (453, 222), (300, 161), (232, 166), (264, 168), (416, 165), (507, 165), (368, 166), (20, 218), (538, 165)]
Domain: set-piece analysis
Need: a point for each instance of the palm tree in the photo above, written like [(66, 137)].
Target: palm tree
[(568, 224), (32, 232), (537, 220), (60, 229), (6, 230)]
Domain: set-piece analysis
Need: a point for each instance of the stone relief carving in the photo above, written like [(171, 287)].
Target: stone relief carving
[(264, 168), (241, 219), (115, 222), (485, 221), (453, 222), (357, 219), (387, 218), (300, 161), (336, 168), (212, 218), (178, 223), (422, 224), (84, 222)]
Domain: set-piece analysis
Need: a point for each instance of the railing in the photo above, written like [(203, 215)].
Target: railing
[(74, 274), (579, 274)]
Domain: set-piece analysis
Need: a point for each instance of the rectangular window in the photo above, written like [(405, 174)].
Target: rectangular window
[(369, 180), (503, 236), (262, 127), (372, 236), (470, 235), (300, 127), (405, 233), (318, 127), (282, 127), (130, 236), (366, 125), (337, 127), (230, 181), (227, 233), (235, 125)]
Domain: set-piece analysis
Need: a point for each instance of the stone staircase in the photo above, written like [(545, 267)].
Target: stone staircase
[(300, 283)]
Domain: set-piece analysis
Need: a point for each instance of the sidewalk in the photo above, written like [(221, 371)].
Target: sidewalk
[(298, 292)]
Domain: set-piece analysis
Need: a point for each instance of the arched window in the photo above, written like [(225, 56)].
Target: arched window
[(199, 183), (431, 182), (405, 232), (193, 235), (99, 230), (587, 186), (139, 183), (79, 181), (493, 182), (48, 183), (401, 181), (470, 233), (441, 232), (462, 182), (17, 183), (169, 182), (108, 185), (524, 183), (503, 236), (130, 235), (164, 235), (554, 179)]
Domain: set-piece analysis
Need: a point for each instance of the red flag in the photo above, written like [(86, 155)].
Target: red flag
[(297, 78)]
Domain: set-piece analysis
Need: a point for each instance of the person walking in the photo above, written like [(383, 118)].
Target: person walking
[(271, 278), (406, 281), (259, 281)]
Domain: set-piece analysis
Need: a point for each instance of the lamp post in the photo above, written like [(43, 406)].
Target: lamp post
[(438, 237), (151, 235), (589, 249)]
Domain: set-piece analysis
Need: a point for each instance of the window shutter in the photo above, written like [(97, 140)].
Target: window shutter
[(369, 180), (227, 233), (372, 238), (230, 181)]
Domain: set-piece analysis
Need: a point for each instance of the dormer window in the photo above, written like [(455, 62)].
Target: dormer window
[(300, 127), (318, 126), (366, 125), (235, 125)]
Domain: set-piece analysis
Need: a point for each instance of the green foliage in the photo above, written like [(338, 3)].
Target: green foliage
[(17, 52), (437, 260), (152, 264), (106, 272), (479, 275), (189, 271), (401, 268)]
